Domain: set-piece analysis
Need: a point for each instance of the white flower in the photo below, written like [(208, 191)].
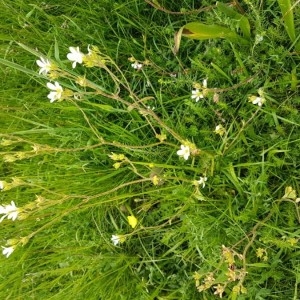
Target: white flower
[(10, 211), (137, 66), (115, 239), (45, 65), (56, 91), (184, 152), (75, 56), (7, 251), (257, 100), (201, 181), (118, 239), (220, 130), (197, 95), (1, 185)]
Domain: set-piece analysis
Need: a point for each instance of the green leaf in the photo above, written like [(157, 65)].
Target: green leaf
[(242, 21), (105, 107), (288, 18), (259, 265), (199, 31), (30, 50)]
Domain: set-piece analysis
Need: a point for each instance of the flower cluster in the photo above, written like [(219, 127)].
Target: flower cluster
[(57, 92), (11, 212), (119, 158), (221, 278)]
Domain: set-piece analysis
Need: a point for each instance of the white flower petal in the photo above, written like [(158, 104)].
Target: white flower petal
[(7, 251), (202, 181), (115, 239), (75, 56), (51, 86)]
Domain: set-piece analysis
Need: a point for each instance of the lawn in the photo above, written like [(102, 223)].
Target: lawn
[(149, 149)]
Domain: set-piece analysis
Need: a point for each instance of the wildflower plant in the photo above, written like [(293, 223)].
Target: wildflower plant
[(133, 169)]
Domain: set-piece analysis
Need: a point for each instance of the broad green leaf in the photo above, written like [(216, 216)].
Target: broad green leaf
[(243, 22), (201, 31), (288, 18)]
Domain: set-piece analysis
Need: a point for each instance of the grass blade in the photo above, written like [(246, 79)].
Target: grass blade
[(288, 18)]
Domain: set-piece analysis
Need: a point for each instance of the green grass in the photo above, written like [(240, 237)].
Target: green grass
[(239, 233)]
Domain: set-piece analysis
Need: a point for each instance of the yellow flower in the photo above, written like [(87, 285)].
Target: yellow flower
[(117, 165), (155, 180), (132, 221), (116, 157), (290, 193), (260, 252), (81, 80), (162, 137)]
